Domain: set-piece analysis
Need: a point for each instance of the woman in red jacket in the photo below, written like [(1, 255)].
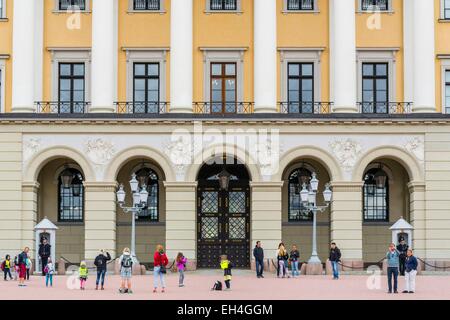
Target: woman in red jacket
[(159, 270)]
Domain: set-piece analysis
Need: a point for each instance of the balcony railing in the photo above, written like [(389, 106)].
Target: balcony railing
[(300, 5), (69, 4), (305, 107), (223, 4), (223, 108), (385, 107), (146, 5), (141, 107), (62, 107)]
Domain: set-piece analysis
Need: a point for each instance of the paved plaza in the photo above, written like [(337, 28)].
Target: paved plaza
[(244, 287)]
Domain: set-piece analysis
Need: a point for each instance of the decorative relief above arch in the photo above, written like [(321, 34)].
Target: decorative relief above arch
[(347, 152)]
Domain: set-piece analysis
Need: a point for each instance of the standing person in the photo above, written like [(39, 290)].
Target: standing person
[(226, 266), (410, 272), (402, 249), (49, 271), (101, 263), (83, 273), (6, 267), (335, 257), (392, 257), (44, 252), (181, 266), (294, 256), (160, 263), (16, 267), (126, 271), (282, 258), (258, 254), (22, 262), (29, 264)]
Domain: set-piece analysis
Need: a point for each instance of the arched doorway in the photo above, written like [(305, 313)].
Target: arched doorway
[(223, 214)]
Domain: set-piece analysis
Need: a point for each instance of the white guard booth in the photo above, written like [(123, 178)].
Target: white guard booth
[(46, 229), (402, 229)]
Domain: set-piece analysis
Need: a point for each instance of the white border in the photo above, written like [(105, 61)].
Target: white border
[(3, 84)]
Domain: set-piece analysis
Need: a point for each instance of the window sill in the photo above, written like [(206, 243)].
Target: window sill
[(71, 12), (300, 11), (147, 11), (142, 223), (4, 19), (372, 12), (303, 223), (376, 223), (238, 12), (70, 224), (442, 20)]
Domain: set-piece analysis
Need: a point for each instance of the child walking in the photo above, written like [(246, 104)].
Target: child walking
[(181, 265), (83, 273), (226, 266), (410, 272), (6, 267), (49, 270), (294, 256)]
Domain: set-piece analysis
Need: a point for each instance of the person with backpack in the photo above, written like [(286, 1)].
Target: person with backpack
[(181, 266), (49, 271), (21, 260), (226, 266), (159, 270), (101, 263), (6, 267), (258, 254), (293, 257), (335, 257), (83, 274), (126, 271)]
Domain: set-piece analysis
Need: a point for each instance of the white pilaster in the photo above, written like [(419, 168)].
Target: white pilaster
[(181, 56), (424, 56), (23, 86), (265, 55), (104, 47), (408, 51), (343, 56)]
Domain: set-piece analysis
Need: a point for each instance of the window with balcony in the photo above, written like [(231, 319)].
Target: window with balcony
[(71, 196), (71, 89), (223, 5), (146, 5), (374, 5), (223, 87), (64, 5), (375, 88), (376, 197), (146, 86), (301, 87), (447, 91), (300, 5)]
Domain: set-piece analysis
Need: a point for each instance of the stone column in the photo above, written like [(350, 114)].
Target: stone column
[(343, 56), (266, 218), (265, 55), (181, 56), (29, 214), (181, 220), (346, 221), (418, 218), (100, 218), (104, 56), (424, 56), (25, 16)]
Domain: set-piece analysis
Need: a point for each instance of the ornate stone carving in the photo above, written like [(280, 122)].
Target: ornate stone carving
[(268, 156), (30, 147), (347, 151), (179, 151), (416, 146), (99, 151)]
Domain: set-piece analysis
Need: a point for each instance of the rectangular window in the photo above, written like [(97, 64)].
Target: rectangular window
[(223, 5), (447, 91), (374, 5), (1, 89), (375, 88), (2, 14), (71, 94), (299, 5), (301, 87), (446, 9), (146, 84), (153, 5), (70, 4), (223, 87)]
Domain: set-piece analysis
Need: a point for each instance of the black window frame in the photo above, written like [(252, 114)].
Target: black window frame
[(295, 188), (223, 5), (148, 5), (68, 4), (144, 216), (74, 106), (366, 5), (369, 179), (78, 178), (301, 104), (300, 5), (375, 106), (147, 104)]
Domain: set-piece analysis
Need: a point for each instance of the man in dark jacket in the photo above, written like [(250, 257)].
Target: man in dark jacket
[(335, 257), (402, 248), (44, 253), (101, 263), (258, 253)]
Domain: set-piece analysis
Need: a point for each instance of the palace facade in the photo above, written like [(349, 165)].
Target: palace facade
[(356, 91)]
